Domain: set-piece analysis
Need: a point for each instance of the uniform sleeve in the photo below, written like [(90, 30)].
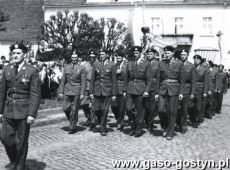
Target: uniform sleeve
[(148, 78), (181, 79), (35, 94), (3, 91), (83, 81), (92, 81), (158, 79), (62, 84), (225, 89), (125, 79), (206, 81), (114, 80), (193, 71)]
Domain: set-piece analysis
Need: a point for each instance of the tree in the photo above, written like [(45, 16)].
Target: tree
[(68, 31), (114, 32), (3, 18)]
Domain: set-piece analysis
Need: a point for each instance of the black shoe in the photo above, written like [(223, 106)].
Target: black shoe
[(10, 166), (120, 126), (137, 135), (131, 133), (183, 131), (195, 125), (72, 131), (103, 133)]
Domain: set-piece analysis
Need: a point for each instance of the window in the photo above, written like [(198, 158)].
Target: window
[(179, 25), (156, 25), (207, 25)]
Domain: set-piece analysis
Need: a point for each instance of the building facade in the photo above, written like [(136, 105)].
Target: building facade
[(199, 25)]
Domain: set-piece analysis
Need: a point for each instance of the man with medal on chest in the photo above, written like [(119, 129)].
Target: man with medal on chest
[(20, 95)]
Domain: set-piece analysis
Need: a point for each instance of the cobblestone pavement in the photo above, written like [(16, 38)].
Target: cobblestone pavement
[(51, 148)]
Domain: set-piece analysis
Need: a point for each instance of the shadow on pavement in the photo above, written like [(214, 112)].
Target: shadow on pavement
[(32, 164), (79, 128)]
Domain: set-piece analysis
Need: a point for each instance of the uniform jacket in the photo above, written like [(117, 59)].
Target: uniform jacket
[(121, 77), (201, 84), (212, 80), (189, 73), (171, 70), (20, 94), (73, 80), (103, 79), (88, 69), (221, 81), (155, 76), (137, 77)]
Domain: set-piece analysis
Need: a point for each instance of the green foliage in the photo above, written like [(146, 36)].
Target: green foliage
[(71, 31)]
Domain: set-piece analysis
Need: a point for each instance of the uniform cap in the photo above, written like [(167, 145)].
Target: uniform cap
[(92, 54), (169, 48), (197, 57), (18, 46), (151, 50), (136, 48)]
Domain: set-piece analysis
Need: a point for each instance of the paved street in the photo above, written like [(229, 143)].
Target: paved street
[(51, 148)]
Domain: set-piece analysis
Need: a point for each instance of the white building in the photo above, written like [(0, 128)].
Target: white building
[(192, 23)]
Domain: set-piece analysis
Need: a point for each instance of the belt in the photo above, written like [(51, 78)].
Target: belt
[(170, 80), (19, 96)]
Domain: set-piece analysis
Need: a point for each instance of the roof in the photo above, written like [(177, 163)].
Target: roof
[(63, 2), (84, 3), (25, 18)]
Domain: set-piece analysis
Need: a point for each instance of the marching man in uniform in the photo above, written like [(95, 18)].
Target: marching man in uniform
[(136, 89), (20, 95), (72, 90), (102, 89), (170, 91)]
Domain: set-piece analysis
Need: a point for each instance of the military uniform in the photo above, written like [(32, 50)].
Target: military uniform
[(73, 84), (118, 106), (137, 81), (171, 85), (103, 87), (211, 97), (151, 103), (20, 95), (200, 87), (220, 89), (189, 71)]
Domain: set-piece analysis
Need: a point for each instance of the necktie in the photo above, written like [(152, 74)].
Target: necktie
[(16, 69)]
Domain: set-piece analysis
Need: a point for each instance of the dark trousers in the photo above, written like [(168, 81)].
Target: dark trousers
[(101, 106), (71, 106), (183, 112), (15, 134), (210, 106), (85, 106), (219, 100), (135, 109), (196, 111), (151, 109), (168, 106), (118, 108)]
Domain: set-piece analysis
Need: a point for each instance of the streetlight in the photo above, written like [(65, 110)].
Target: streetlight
[(219, 34)]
